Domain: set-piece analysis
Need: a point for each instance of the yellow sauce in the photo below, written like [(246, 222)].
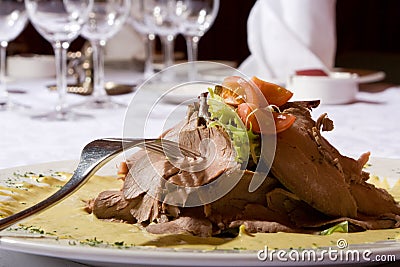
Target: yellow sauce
[(69, 220)]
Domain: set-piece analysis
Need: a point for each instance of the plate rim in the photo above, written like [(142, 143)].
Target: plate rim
[(150, 255)]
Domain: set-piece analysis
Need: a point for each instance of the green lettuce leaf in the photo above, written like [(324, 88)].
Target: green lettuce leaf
[(342, 227), (244, 141)]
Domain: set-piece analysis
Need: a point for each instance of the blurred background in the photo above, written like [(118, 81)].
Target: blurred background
[(368, 36)]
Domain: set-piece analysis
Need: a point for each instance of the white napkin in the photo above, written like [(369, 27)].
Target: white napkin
[(288, 35)]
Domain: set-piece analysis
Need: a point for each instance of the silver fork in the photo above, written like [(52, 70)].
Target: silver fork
[(95, 155)]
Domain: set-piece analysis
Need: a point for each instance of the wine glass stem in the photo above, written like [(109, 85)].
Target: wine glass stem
[(192, 43), (168, 47), (98, 68), (60, 52), (149, 48), (3, 91)]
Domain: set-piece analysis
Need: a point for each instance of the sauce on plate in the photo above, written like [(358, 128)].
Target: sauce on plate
[(69, 220)]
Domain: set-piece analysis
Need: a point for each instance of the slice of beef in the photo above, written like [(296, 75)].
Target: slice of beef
[(257, 212), (259, 218), (351, 169), (303, 216), (150, 171), (183, 225), (113, 205), (293, 209), (263, 227), (147, 171), (362, 223), (149, 168), (304, 170), (147, 209), (158, 179), (373, 201), (233, 205), (215, 144)]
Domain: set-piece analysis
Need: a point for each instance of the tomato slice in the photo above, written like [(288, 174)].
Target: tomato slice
[(274, 94), (248, 117), (252, 116), (283, 121), (240, 93), (236, 90)]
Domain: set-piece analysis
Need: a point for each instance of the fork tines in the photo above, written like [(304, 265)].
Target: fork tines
[(163, 146)]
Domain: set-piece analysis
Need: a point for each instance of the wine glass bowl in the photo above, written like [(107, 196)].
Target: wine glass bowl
[(106, 18), (159, 15), (195, 18), (197, 15), (59, 22), (13, 19)]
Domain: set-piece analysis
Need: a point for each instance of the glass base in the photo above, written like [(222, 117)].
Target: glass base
[(64, 115), (10, 105), (100, 103)]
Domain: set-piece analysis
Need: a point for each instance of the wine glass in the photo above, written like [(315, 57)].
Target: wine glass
[(159, 15), (59, 22), (137, 21), (13, 19), (196, 17), (106, 18)]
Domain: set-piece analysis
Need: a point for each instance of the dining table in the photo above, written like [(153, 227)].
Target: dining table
[(370, 123)]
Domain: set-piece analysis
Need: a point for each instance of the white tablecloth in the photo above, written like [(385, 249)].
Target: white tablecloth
[(369, 124), (26, 141)]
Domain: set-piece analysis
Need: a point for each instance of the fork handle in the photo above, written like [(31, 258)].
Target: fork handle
[(88, 165)]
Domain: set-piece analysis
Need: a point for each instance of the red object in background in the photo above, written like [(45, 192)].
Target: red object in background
[(311, 72)]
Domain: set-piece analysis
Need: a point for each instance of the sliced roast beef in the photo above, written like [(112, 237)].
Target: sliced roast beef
[(304, 170), (310, 187), (213, 143), (183, 225), (303, 216), (373, 201), (113, 205), (351, 169), (147, 209), (147, 171), (264, 227), (233, 205), (298, 213), (149, 168), (150, 172)]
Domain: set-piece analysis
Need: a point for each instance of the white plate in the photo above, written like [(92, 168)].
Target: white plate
[(188, 93), (365, 76), (179, 86), (388, 168)]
